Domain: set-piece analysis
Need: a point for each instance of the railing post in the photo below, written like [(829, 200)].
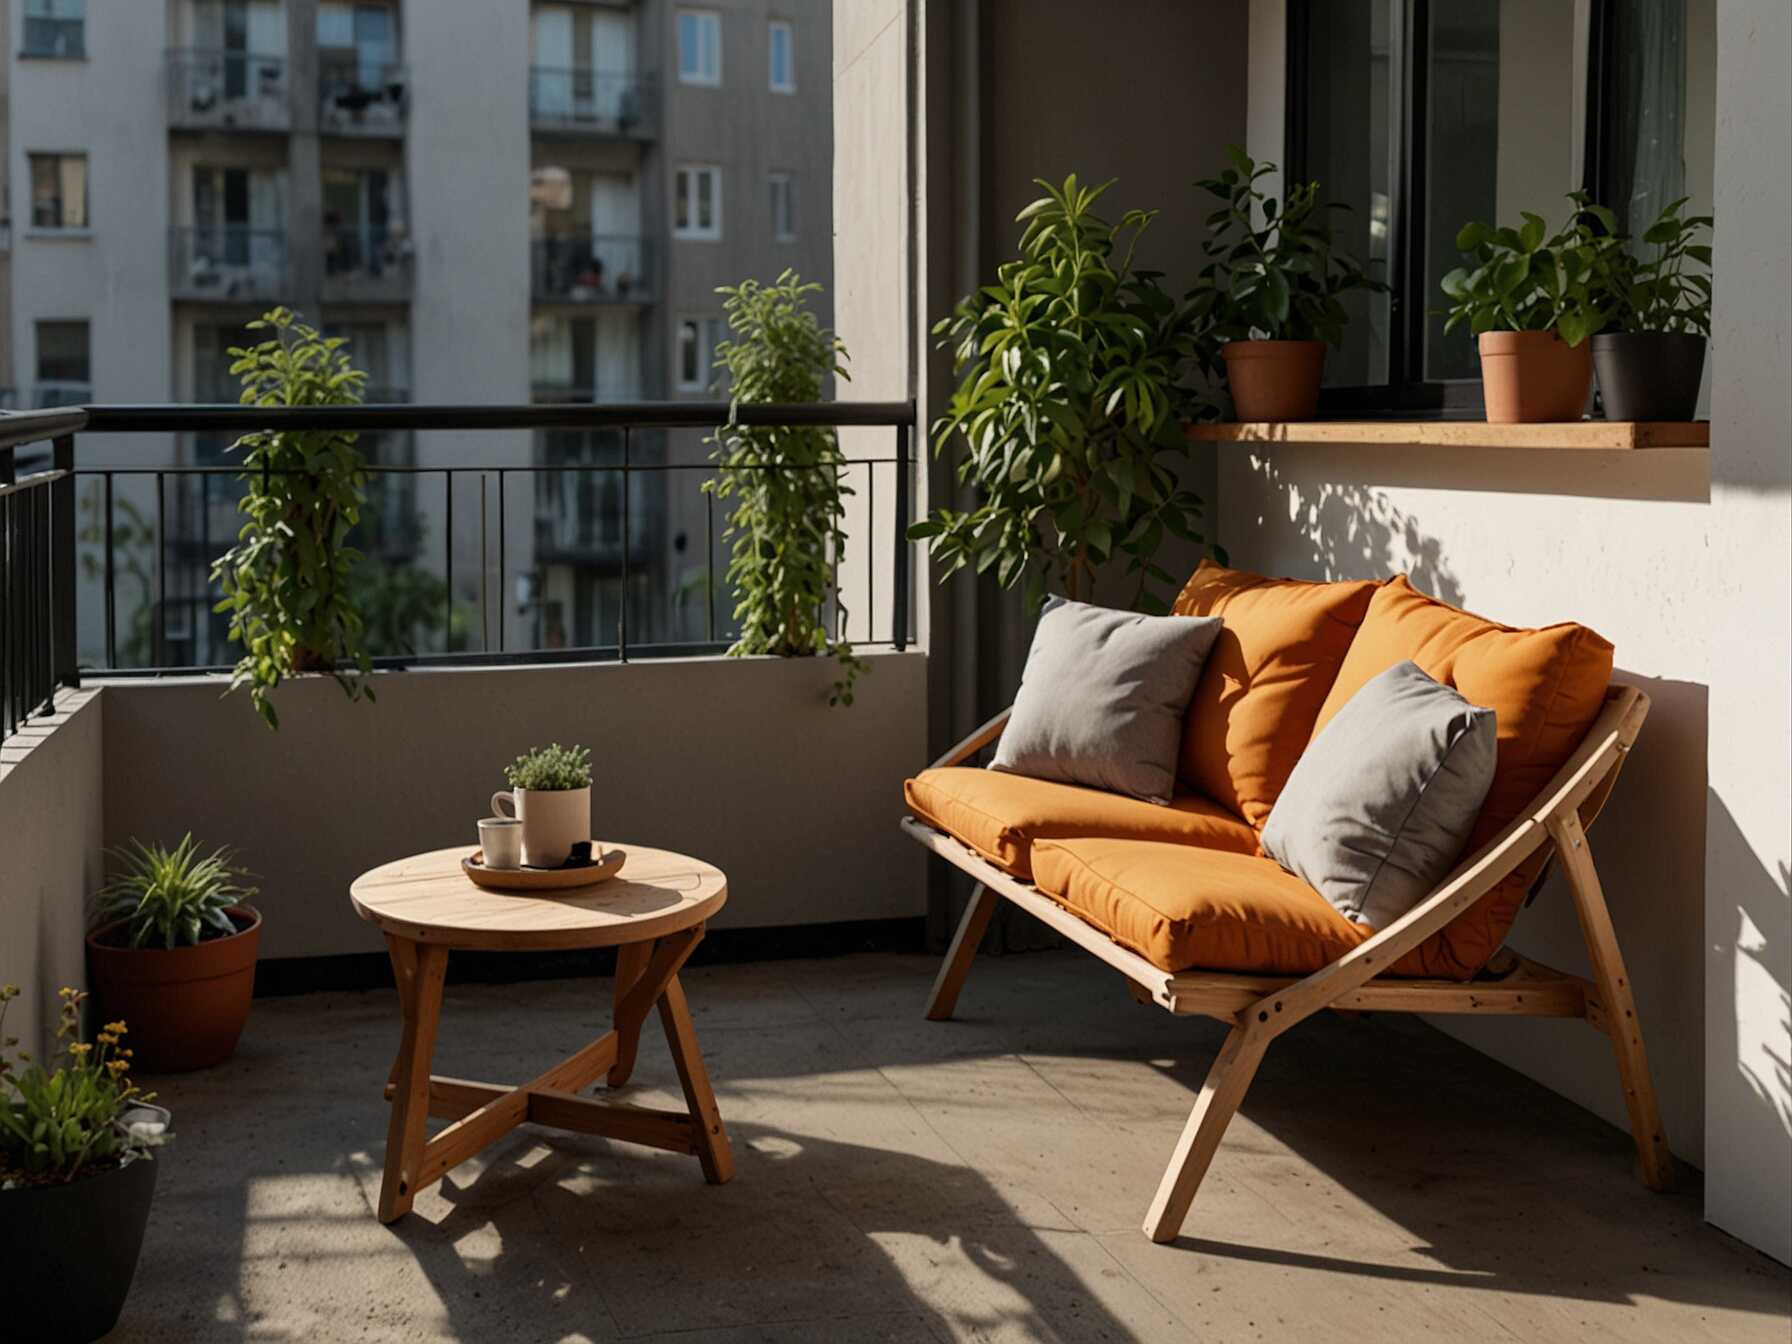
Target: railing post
[(899, 581), (64, 661)]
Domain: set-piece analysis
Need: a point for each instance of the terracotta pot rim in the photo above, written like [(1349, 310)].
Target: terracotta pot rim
[(1258, 349), (1510, 339), (254, 925)]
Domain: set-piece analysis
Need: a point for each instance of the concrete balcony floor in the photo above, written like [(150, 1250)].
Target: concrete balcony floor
[(902, 1180)]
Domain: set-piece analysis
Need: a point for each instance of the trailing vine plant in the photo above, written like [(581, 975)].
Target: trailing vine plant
[(787, 523), (286, 581), (1070, 409)]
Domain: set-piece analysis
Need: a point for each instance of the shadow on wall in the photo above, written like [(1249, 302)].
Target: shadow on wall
[(1751, 999), (1355, 531)]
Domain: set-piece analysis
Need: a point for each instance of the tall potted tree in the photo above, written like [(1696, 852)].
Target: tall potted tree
[(1651, 362), (1533, 300), (1074, 391), (1269, 292)]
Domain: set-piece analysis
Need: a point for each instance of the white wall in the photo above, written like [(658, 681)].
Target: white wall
[(739, 761), (50, 796), (1748, 599)]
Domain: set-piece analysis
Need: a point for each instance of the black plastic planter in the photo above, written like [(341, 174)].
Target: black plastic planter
[(68, 1252), (1649, 375)]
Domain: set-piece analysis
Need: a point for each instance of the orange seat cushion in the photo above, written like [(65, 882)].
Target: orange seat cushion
[(1001, 815), (1183, 908), (1545, 688), (1266, 678)]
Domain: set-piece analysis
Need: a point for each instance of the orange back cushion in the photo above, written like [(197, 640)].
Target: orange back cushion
[(1545, 687), (1266, 679)]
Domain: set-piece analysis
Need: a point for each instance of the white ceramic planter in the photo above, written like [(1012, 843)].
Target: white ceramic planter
[(553, 821)]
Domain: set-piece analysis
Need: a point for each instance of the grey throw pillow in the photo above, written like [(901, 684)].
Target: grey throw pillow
[(1381, 803), (1102, 698)]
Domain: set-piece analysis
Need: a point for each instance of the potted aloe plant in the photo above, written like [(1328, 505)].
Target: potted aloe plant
[(1270, 290), (1533, 300), (173, 951), (1651, 362), (76, 1179), (550, 795)]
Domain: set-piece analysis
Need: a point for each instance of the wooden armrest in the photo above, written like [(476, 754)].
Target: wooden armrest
[(1586, 774), (970, 746)]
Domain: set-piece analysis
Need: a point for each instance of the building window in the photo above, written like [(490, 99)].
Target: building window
[(56, 29), (1421, 116), (699, 47), (783, 56), (64, 364), (697, 202), (783, 199), (58, 191), (697, 342)]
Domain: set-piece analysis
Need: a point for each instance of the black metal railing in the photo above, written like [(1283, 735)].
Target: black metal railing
[(362, 97), (229, 263), (220, 89), (592, 102), (37, 566), (591, 268), (98, 573)]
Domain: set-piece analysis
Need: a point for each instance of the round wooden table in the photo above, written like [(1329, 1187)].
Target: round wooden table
[(652, 913)]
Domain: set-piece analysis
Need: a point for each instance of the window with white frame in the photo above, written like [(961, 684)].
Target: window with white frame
[(698, 338), (697, 201), (58, 191), (699, 47), (783, 201), (782, 44)]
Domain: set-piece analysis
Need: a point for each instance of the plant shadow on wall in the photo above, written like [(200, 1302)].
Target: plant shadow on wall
[(1354, 531)]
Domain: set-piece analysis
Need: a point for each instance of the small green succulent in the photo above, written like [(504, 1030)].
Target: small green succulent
[(175, 897), (551, 768)]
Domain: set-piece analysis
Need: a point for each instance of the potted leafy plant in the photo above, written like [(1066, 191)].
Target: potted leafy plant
[(1651, 363), (1071, 409), (787, 523), (1269, 291), (286, 582), (1533, 300), (550, 796), (76, 1179), (173, 951)]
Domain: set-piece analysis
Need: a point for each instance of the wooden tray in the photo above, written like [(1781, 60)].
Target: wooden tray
[(541, 879)]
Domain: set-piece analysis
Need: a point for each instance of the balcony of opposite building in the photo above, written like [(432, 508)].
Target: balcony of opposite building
[(367, 266), (228, 264), (605, 104), (369, 99), (222, 89), (591, 268)]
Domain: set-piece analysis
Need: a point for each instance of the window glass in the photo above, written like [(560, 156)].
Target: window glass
[(1652, 59), (58, 191), (62, 353), (697, 202), (55, 28), (783, 203), (699, 46), (783, 57)]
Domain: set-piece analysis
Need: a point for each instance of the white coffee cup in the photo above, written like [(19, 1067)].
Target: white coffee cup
[(501, 842)]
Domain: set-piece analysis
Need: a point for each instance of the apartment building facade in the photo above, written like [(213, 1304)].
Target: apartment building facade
[(491, 202)]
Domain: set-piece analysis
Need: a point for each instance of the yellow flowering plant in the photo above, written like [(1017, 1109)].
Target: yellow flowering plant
[(85, 1114)]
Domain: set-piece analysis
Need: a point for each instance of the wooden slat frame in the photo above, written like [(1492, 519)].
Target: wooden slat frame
[(1260, 1008)]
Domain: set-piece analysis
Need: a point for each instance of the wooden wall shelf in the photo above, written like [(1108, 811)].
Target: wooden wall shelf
[(1597, 434)]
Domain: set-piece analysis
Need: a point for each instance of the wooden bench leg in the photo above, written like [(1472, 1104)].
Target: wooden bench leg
[(713, 1148), (958, 957), (419, 968), (1224, 1089), (1616, 1002), (631, 961)]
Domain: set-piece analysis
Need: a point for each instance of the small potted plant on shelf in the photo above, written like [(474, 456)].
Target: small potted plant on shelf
[(173, 951), (550, 795), (76, 1179), (1533, 301), (1269, 291), (1651, 361)]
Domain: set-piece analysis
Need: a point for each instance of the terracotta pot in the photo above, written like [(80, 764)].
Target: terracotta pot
[(554, 820), (70, 1251), (1274, 380), (1532, 377), (184, 1006)]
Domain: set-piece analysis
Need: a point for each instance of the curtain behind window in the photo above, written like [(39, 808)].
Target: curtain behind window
[(1649, 165)]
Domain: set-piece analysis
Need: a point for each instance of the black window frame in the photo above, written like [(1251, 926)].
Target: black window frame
[(1404, 395)]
